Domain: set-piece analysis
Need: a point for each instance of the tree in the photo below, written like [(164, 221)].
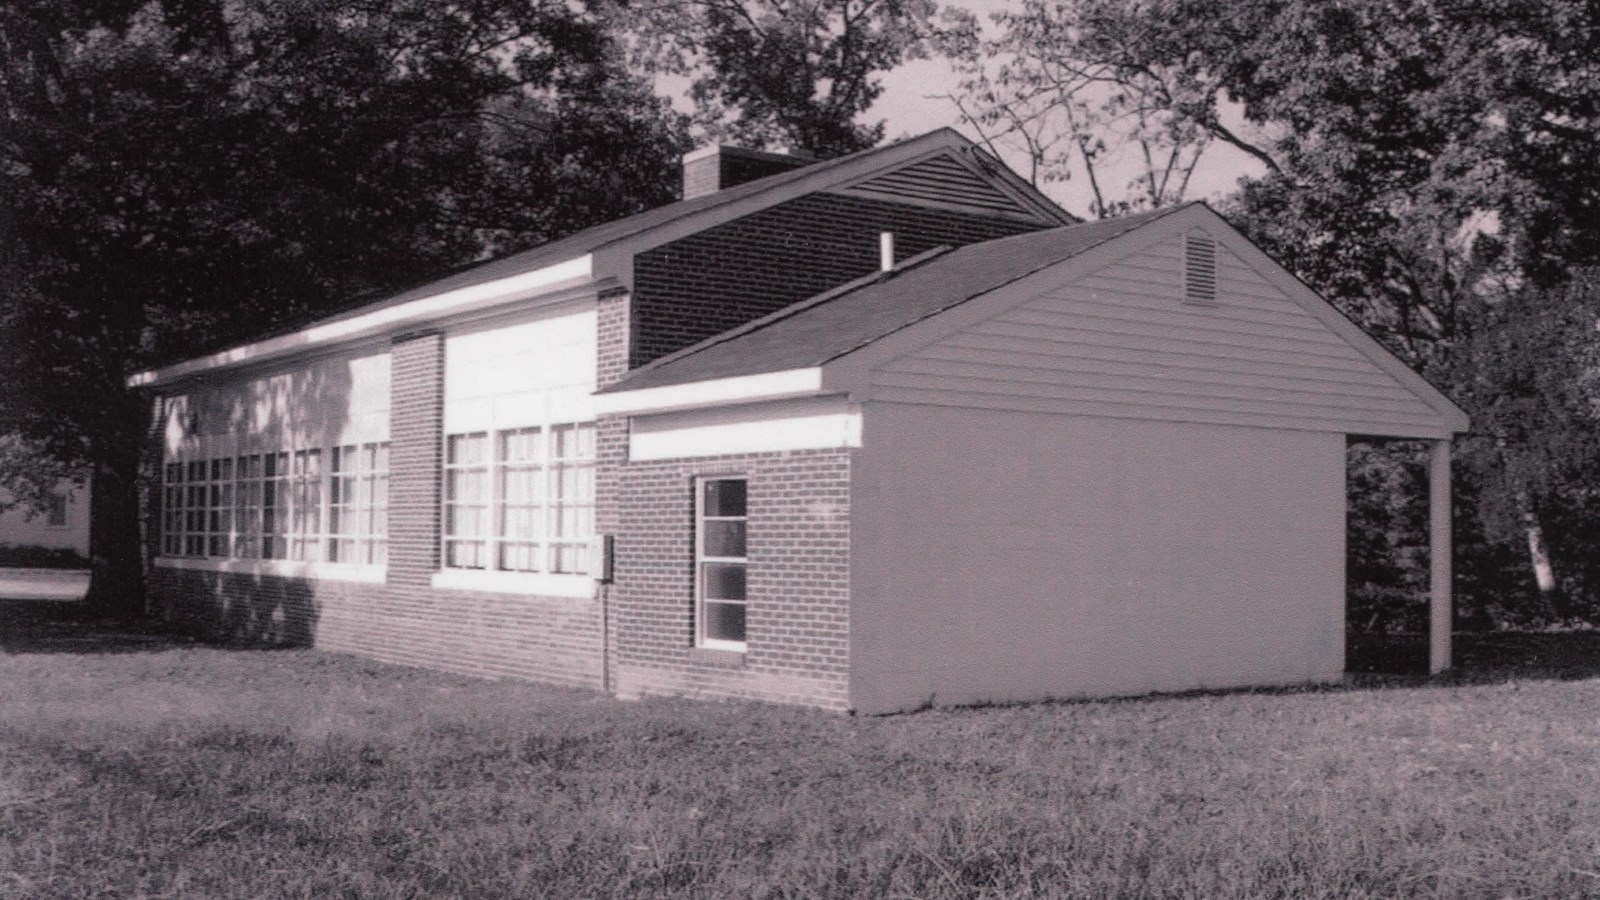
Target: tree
[(1530, 372), (1079, 89), (180, 174), (794, 73), (1428, 168)]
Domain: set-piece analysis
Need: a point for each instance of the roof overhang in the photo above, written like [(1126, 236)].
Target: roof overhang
[(782, 385), (553, 282)]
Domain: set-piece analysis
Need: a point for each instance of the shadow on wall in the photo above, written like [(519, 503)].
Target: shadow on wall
[(320, 406), (260, 611)]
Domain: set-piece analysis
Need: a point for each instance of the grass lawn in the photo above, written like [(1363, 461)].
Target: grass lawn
[(133, 766)]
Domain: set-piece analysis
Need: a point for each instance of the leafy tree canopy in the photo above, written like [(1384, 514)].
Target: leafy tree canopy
[(181, 173), (791, 73)]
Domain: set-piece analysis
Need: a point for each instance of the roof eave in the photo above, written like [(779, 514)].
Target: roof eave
[(552, 283)]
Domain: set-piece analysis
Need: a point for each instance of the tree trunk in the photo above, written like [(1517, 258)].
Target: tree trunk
[(116, 544), (1544, 575)]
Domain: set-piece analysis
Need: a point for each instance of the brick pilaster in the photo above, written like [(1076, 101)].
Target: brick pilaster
[(416, 436)]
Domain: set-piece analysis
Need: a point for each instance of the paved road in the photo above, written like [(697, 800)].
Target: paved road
[(43, 584)]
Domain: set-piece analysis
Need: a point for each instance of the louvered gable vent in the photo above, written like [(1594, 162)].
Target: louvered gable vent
[(1199, 269)]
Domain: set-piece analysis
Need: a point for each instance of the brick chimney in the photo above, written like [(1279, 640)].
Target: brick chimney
[(710, 169)]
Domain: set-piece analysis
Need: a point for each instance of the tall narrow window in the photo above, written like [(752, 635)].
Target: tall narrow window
[(358, 503), (521, 459), (56, 513), (374, 502), (194, 509), (344, 483), (275, 480), (219, 515), (306, 539), (247, 508), (466, 501), (721, 563), (571, 497)]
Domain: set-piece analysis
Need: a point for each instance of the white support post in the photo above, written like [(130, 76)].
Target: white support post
[(1441, 546)]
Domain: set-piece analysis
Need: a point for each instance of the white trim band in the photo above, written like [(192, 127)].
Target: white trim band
[(537, 584), (569, 274), (282, 568), (714, 392)]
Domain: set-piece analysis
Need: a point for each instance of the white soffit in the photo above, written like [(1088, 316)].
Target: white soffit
[(806, 423), (715, 392), (564, 275)]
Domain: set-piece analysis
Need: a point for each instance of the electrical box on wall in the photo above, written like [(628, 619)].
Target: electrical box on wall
[(608, 557)]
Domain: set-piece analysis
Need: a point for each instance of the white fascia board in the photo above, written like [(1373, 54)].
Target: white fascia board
[(527, 285), (715, 392), (810, 423)]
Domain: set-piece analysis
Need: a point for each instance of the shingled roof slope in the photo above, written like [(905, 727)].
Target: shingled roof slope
[(829, 325)]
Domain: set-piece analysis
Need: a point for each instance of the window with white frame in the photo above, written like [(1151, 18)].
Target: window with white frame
[(219, 511), (194, 508), (56, 511), (275, 486), (358, 503), (247, 508), (721, 562), (520, 499), (305, 532), (520, 529), (571, 497), (466, 501), (274, 505)]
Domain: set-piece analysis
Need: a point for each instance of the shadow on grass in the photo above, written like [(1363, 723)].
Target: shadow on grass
[(67, 626)]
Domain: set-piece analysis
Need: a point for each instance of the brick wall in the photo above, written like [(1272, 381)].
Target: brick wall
[(405, 620), (798, 580), (722, 277), (416, 441)]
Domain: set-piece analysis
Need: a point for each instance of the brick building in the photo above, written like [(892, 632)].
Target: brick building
[(860, 434)]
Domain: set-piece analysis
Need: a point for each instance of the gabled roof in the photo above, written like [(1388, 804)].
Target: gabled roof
[(831, 342), (822, 328), (526, 274)]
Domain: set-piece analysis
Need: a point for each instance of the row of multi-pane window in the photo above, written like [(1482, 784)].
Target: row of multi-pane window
[(282, 505), (520, 499)]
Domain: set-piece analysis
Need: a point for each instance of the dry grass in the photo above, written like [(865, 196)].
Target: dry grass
[(154, 769)]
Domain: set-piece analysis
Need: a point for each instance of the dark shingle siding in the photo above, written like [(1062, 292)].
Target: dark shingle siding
[(723, 277)]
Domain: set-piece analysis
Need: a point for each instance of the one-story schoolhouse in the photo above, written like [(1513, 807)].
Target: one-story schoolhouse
[(863, 434)]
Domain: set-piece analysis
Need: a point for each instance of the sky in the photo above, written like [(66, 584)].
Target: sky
[(911, 105)]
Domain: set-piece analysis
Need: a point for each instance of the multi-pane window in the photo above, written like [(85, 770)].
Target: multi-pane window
[(275, 483), (374, 511), (358, 503), (571, 497), (56, 512), (271, 506), (527, 506), (721, 561), (172, 511), (305, 533), (219, 511), (520, 527), (194, 509), (247, 511), (466, 501)]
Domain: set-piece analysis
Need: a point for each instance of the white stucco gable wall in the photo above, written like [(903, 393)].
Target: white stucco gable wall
[(1082, 485), (1110, 334)]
